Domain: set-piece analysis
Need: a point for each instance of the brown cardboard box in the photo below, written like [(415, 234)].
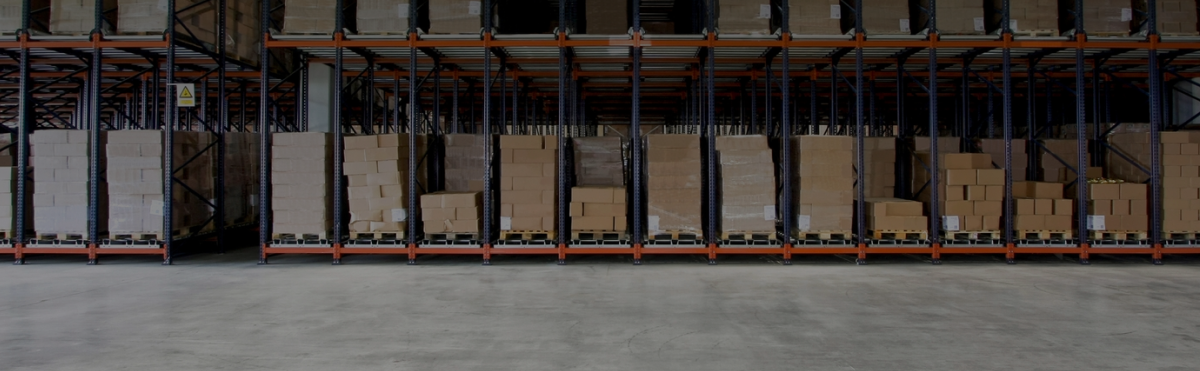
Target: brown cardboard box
[(1025, 206), (1104, 191), (994, 193), (881, 17), (953, 17), (1029, 222), (1058, 223), (1131, 191), (990, 177), (976, 193), (966, 161), (1064, 207), (1043, 206), (673, 182), (958, 177)]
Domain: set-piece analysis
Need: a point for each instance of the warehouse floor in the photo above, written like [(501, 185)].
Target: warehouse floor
[(526, 313)]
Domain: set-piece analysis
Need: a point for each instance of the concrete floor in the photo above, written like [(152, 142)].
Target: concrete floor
[(222, 312)]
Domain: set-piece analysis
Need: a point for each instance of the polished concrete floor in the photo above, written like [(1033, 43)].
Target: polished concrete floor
[(222, 312)]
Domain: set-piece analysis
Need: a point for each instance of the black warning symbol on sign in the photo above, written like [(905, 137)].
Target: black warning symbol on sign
[(186, 93)]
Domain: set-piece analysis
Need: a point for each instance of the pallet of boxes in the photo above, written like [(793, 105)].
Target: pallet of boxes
[(302, 187), (597, 208), (456, 214), (673, 188), (1041, 212), (893, 219), (197, 25), (528, 187), (377, 172), (879, 17), (954, 17), (823, 198), (60, 200), (746, 173), (879, 162), (1117, 211), (135, 178), (1180, 180), (971, 193), (755, 17)]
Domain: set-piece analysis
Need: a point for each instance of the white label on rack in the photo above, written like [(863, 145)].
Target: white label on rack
[(764, 11), (402, 10), (979, 26), (835, 11), (399, 215), (769, 212), (1096, 223), (505, 223), (156, 208), (473, 8), (904, 26), (1126, 14), (950, 223), (803, 222), (652, 222), (1012, 25)]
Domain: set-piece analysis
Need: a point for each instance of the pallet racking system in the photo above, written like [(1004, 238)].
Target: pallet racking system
[(704, 83)]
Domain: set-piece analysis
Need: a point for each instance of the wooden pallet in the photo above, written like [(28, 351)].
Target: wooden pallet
[(452, 236), (136, 236), (1044, 235), (65, 236), (1036, 33), (676, 236), (1108, 34), (1118, 235), (972, 235), (6, 234), (527, 235), (899, 235), (377, 236), (749, 236), (599, 235), (1181, 236), (1179, 34), (823, 235), (300, 236)]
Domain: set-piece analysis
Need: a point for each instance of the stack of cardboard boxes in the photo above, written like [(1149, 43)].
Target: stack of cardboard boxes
[(599, 161), (954, 17), (376, 167), (135, 176), (880, 17), (8, 189), (894, 215), (762, 17), (744, 17), (1024, 15), (747, 184), (1180, 174), (465, 162), (673, 184), (60, 200), (1040, 206), (243, 27), (302, 184), (528, 182), (310, 17), (879, 162), (1100, 17), (1118, 207), (1175, 17), (383, 16), (1020, 158), (812, 17), (455, 16), (598, 209), (451, 212), (971, 191), (823, 199)]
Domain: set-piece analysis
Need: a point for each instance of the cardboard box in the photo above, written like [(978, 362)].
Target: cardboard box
[(1105, 191), (455, 17)]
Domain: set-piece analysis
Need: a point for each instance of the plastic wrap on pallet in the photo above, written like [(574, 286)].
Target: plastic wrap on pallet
[(1025, 16), (455, 16), (61, 160), (135, 176), (464, 162), (823, 179), (376, 167), (599, 161), (813, 17), (77, 17), (1180, 175), (310, 17), (528, 182), (598, 208), (451, 212), (747, 184), (199, 21), (301, 183), (954, 17), (1100, 17), (673, 184), (383, 16), (880, 17)]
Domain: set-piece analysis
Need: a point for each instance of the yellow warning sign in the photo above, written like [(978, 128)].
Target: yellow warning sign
[(184, 96)]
